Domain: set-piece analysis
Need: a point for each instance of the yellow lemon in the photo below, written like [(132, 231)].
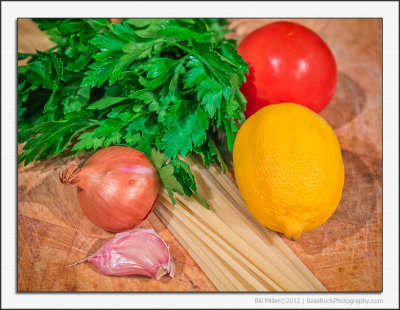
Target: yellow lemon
[(289, 168)]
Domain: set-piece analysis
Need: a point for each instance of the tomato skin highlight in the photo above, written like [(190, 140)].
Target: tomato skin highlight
[(288, 63)]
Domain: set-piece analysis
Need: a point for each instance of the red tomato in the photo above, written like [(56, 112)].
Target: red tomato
[(288, 63)]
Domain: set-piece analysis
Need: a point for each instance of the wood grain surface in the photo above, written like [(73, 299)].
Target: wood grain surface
[(345, 253)]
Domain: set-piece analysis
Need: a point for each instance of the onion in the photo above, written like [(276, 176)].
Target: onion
[(117, 187)]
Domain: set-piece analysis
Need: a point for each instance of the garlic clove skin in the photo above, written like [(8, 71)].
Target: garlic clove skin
[(139, 251)]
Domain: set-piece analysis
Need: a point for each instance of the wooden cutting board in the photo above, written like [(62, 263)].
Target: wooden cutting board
[(345, 253)]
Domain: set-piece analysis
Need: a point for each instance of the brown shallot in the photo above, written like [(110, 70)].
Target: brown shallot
[(117, 187)]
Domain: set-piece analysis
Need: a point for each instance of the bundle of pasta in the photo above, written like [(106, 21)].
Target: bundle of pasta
[(229, 245)]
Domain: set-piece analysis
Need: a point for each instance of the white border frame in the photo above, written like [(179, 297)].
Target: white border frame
[(13, 10)]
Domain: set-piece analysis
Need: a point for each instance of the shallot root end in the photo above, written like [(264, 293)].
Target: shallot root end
[(67, 175)]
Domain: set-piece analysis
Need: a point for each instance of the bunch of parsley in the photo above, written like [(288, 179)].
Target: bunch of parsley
[(167, 87)]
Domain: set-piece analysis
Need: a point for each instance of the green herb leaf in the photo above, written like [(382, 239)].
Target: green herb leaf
[(106, 102), (53, 138)]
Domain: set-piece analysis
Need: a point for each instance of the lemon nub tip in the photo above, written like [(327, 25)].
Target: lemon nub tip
[(293, 233)]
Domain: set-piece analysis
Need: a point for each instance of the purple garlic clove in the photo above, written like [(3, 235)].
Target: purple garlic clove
[(139, 251)]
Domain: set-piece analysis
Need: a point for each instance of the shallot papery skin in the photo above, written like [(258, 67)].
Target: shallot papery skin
[(117, 187), (136, 252)]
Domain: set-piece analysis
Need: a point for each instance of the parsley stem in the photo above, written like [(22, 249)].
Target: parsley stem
[(188, 50), (219, 155), (192, 52)]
